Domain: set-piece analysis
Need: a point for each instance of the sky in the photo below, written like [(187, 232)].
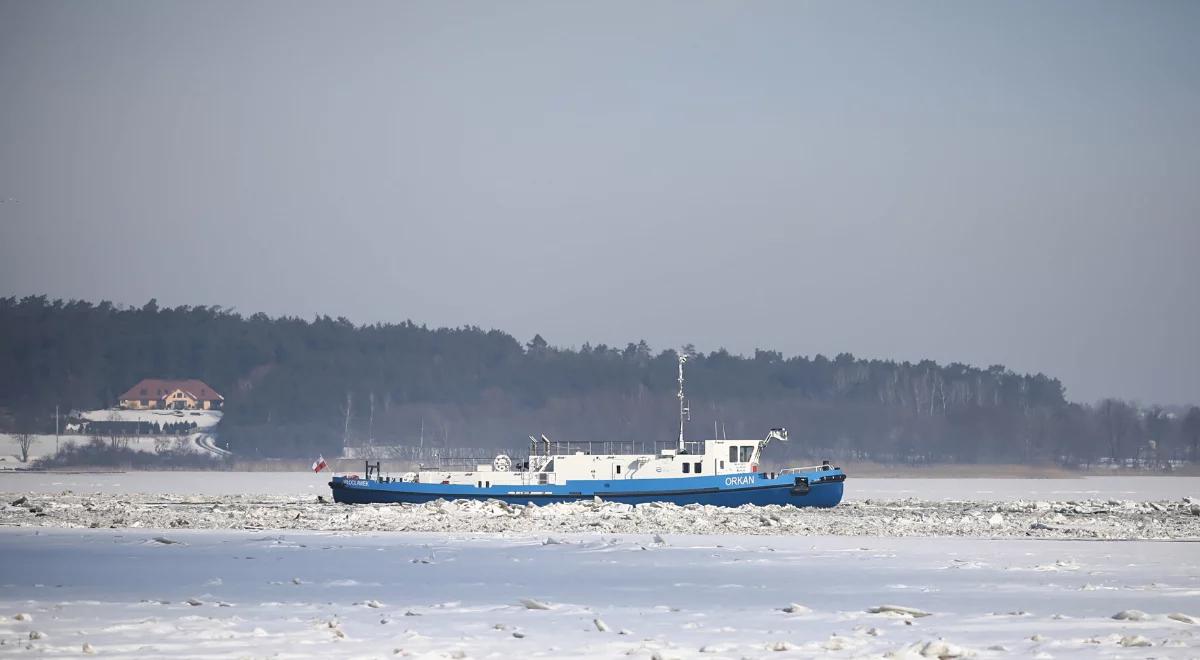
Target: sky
[(1010, 183)]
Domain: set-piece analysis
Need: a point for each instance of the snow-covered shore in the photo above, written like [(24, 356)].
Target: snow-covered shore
[(180, 593), (46, 446), (1082, 519)]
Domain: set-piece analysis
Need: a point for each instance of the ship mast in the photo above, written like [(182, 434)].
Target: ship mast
[(683, 409)]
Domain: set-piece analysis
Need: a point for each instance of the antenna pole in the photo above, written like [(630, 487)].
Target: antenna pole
[(682, 406)]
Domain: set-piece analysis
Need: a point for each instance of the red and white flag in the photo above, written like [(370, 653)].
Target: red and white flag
[(319, 464)]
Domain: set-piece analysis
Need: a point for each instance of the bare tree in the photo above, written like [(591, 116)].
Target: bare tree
[(1157, 428), (24, 443), (1190, 429), (348, 410), (115, 439), (1118, 419), (371, 420)]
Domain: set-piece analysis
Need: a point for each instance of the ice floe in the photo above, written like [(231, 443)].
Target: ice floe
[(1088, 519)]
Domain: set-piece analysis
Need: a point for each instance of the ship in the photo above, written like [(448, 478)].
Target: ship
[(719, 472)]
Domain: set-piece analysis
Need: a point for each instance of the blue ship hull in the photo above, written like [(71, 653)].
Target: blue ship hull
[(819, 488)]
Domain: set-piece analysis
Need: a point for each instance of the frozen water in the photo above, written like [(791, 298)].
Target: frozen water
[(124, 595), (992, 490), (177, 483), (857, 489), (1085, 519), (181, 575)]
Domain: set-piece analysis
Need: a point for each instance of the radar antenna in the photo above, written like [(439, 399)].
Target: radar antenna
[(684, 411)]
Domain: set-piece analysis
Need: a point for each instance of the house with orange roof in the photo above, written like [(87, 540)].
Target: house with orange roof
[(161, 393)]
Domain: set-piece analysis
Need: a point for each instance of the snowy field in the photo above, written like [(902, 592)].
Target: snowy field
[(40, 445), (204, 419), (135, 593), (219, 564), (1142, 489), (306, 483), (45, 445)]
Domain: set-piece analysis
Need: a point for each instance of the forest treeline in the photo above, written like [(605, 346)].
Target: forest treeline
[(296, 387)]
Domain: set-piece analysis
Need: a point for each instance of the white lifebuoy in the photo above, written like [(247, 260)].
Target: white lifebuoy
[(502, 463)]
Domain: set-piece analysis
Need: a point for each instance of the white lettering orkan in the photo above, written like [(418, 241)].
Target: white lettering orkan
[(746, 480)]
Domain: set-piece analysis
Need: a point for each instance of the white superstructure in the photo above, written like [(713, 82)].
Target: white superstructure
[(556, 463), (719, 457)]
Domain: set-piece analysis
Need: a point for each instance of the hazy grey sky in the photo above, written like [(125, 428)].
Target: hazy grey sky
[(988, 182)]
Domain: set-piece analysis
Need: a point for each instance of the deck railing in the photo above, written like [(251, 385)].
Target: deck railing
[(812, 468), (600, 447)]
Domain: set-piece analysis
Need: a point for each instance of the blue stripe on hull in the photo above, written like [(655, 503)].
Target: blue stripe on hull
[(706, 490)]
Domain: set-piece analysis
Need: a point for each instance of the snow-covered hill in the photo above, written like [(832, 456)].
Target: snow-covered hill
[(45, 445), (204, 419)]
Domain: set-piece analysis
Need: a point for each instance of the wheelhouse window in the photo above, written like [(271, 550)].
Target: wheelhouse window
[(747, 452), (733, 454), (687, 468)]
